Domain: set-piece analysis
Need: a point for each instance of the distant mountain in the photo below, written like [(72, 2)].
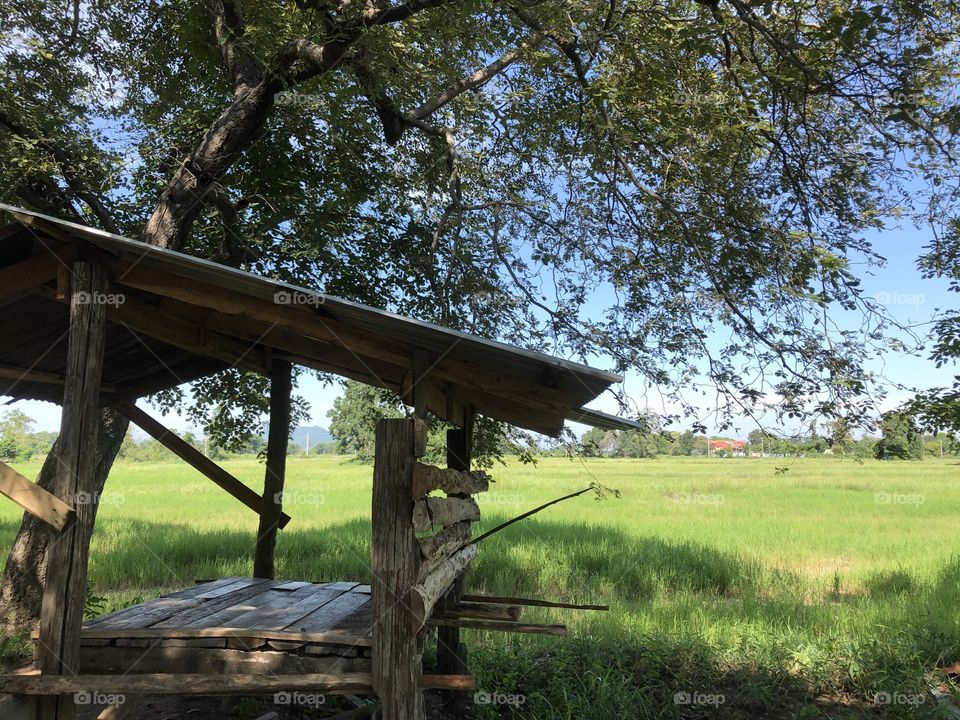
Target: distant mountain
[(299, 436), (315, 433)]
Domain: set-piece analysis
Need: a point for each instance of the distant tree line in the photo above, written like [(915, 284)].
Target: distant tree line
[(354, 417), (18, 440), (899, 438)]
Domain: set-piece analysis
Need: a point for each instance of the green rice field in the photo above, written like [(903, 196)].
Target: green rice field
[(738, 588)]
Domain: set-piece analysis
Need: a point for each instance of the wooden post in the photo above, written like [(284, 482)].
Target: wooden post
[(395, 559), (65, 588), (271, 509), (451, 653)]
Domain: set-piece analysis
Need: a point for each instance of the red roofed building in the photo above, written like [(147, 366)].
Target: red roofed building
[(734, 447)]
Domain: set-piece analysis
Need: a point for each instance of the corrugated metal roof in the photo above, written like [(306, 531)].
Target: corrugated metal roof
[(579, 382), (603, 420)]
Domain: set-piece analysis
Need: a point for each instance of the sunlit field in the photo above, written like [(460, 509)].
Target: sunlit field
[(739, 588)]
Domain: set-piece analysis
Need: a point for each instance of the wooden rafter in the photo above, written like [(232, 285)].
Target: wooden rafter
[(10, 372), (33, 272)]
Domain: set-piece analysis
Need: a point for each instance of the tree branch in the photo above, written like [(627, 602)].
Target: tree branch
[(245, 68), (475, 79), (69, 170)]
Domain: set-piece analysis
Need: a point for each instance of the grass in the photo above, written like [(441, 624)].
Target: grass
[(811, 592)]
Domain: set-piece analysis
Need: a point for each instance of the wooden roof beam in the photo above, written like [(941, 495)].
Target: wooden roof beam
[(302, 321), (536, 407), (28, 274), (11, 372)]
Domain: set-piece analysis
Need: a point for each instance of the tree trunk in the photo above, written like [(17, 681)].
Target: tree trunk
[(21, 589)]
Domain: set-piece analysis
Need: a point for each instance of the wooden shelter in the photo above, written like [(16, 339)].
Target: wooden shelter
[(94, 319)]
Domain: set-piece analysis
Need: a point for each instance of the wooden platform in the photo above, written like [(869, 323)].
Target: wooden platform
[(237, 625)]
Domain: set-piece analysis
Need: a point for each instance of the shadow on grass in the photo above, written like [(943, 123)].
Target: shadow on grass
[(675, 669)]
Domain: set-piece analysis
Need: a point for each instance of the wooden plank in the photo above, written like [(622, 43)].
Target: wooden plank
[(480, 611), (34, 499), (180, 594), (210, 607), (331, 615), (292, 585), (186, 684), (395, 560), (358, 623), (303, 602), (224, 616), (34, 271), (495, 626), (345, 585), (214, 661), (19, 374), (212, 593), (194, 684), (145, 319), (147, 614), (281, 383), (498, 599), (196, 459), (65, 588), (335, 637)]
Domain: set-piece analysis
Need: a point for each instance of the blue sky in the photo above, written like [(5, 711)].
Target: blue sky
[(908, 296)]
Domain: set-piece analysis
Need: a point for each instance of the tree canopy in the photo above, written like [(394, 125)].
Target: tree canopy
[(625, 180)]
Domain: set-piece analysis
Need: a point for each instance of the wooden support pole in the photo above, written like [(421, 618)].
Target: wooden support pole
[(395, 561), (451, 653), (281, 382), (193, 457), (64, 592)]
